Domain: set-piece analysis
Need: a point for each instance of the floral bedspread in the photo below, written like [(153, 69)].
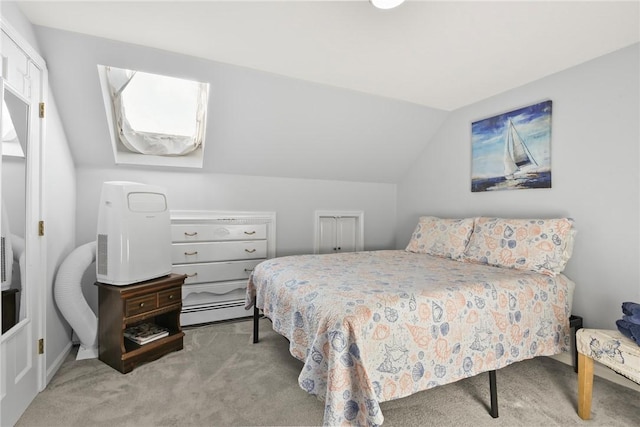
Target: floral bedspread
[(381, 325)]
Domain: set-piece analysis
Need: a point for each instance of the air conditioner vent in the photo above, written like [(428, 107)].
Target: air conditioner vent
[(103, 254)]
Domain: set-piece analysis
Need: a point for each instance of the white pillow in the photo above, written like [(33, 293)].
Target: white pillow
[(541, 245), (446, 238)]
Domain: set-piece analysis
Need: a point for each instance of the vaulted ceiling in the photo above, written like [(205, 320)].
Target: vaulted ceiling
[(440, 54)]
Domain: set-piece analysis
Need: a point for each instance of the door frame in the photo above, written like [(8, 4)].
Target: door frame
[(35, 243)]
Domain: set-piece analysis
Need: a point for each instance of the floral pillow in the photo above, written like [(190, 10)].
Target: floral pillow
[(441, 237), (541, 245)]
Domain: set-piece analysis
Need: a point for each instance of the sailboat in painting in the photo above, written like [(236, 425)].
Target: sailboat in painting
[(517, 157)]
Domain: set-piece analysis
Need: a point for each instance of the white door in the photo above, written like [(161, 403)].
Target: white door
[(21, 362), (338, 231), (346, 234), (327, 235)]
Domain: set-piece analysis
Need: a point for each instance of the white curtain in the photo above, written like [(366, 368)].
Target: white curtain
[(149, 142)]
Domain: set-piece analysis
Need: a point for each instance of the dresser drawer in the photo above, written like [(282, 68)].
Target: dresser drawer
[(208, 232), (186, 253), (134, 306), (211, 293), (216, 272)]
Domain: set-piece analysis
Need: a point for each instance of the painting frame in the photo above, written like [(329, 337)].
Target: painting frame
[(512, 150)]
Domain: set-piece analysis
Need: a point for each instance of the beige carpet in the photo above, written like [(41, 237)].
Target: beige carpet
[(222, 379)]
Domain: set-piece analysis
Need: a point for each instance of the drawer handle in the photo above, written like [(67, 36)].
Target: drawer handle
[(191, 253), (192, 275), (195, 233), (248, 270), (249, 232), (250, 250), (170, 296), (141, 304)]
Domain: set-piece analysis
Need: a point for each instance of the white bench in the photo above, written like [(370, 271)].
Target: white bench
[(610, 348)]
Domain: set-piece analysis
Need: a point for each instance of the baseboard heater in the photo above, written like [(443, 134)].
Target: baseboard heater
[(213, 312)]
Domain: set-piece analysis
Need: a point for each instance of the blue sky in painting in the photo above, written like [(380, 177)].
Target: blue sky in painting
[(533, 123)]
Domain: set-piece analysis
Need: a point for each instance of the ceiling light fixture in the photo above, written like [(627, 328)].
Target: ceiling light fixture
[(386, 4)]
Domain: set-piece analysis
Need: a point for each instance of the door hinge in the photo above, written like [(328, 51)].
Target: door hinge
[(41, 346), (42, 110), (40, 228)]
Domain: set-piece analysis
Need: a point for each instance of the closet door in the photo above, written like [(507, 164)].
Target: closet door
[(338, 231), (21, 345), (327, 242), (346, 234)]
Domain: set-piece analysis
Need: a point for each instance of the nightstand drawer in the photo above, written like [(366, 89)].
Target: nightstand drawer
[(168, 297), (140, 305)]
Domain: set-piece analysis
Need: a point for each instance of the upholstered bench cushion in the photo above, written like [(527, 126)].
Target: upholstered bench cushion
[(612, 349)]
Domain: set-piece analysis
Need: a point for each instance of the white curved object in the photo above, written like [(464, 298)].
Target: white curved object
[(19, 256), (7, 250), (71, 301)]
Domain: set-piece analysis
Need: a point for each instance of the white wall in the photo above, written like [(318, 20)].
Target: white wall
[(273, 143), (59, 182), (595, 173), (258, 123), (293, 200)]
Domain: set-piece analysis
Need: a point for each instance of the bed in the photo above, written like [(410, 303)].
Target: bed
[(380, 325)]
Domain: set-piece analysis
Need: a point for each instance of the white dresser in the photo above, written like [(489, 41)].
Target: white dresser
[(217, 250)]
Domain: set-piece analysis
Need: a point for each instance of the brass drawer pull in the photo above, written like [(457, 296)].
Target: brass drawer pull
[(192, 275), (141, 304), (170, 296), (191, 253), (195, 233), (249, 232), (250, 250)]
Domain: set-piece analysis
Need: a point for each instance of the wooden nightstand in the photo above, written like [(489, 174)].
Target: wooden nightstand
[(158, 301)]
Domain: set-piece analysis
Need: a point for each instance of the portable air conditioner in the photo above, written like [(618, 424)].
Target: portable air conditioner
[(134, 233)]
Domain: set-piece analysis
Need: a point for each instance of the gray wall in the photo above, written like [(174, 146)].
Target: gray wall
[(595, 167)]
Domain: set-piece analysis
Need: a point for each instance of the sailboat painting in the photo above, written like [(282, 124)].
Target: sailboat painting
[(512, 150)]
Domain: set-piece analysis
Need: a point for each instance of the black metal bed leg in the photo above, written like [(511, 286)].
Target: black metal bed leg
[(256, 318), (494, 394)]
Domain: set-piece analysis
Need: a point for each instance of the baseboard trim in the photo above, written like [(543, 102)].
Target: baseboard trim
[(601, 371), (57, 363)]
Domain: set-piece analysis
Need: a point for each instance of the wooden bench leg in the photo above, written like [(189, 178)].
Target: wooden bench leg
[(585, 386)]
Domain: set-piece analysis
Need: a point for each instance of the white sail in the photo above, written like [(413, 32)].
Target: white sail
[(516, 153)]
